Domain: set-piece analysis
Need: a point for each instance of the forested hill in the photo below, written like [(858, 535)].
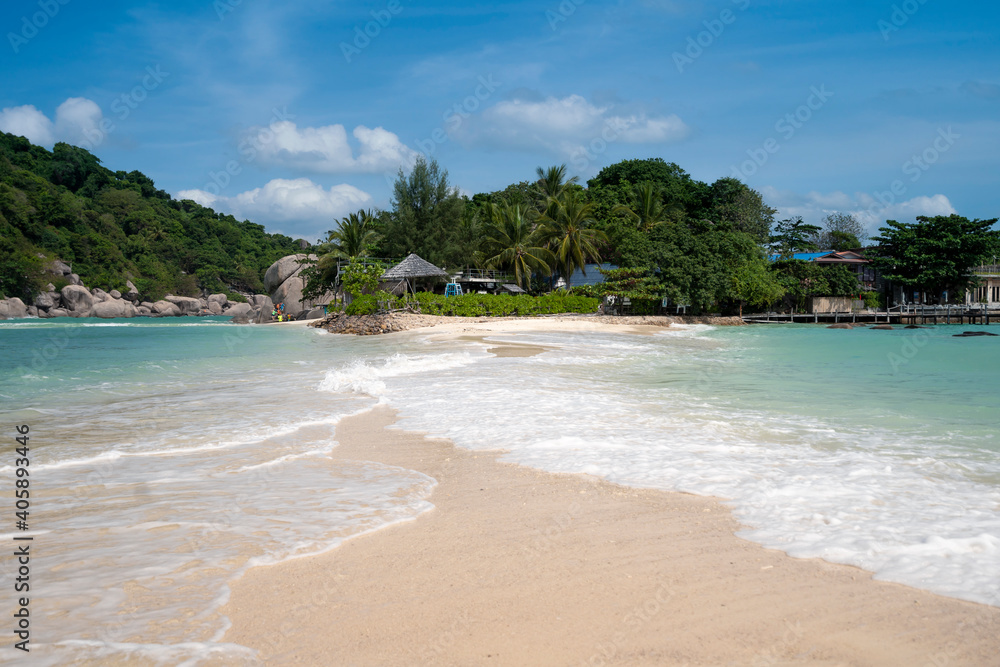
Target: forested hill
[(114, 226)]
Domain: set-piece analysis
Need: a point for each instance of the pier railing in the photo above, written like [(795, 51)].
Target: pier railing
[(485, 275), (975, 313), (987, 270)]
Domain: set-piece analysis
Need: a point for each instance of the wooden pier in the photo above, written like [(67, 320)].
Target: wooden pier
[(903, 315)]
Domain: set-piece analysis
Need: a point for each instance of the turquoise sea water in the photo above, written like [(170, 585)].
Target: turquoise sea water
[(169, 456)]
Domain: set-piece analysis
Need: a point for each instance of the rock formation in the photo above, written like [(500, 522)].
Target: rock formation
[(284, 282)]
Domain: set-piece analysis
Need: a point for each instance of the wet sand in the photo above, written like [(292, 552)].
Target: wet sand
[(519, 567)]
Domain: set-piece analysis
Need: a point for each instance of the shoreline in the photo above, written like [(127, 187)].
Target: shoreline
[(517, 566), (395, 322)]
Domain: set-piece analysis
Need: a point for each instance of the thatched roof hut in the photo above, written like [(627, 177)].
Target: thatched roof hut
[(413, 267)]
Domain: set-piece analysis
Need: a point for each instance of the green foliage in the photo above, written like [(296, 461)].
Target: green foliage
[(741, 207), (367, 304), (755, 284), (695, 262), (354, 236), (635, 283), (841, 231), (21, 273), (793, 235), (646, 209), (873, 300), (803, 279), (566, 228), (425, 218), (361, 277), (117, 226), (477, 305), (935, 253), (513, 242), (677, 188)]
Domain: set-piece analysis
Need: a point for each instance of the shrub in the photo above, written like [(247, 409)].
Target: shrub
[(503, 305), (367, 304)]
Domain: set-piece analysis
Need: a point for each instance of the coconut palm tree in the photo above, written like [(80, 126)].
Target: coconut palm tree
[(512, 241), (569, 235), (647, 209), (552, 184), (353, 235)]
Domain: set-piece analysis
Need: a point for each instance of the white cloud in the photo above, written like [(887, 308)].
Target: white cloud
[(27, 121), (76, 119), (871, 212), (327, 150), (566, 126), (297, 207)]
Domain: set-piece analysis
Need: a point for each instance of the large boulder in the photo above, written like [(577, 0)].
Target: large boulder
[(283, 269), (60, 268), (316, 313), (77, 299), (143, 311), (115, 294), (165, 309), (262, 312), (220, 299), (100, 295), (12, 307), (290, 294), (74, 279), (214, 308), (45, 300), (59, 312), (113, 308), (185, 304), (237, 309)]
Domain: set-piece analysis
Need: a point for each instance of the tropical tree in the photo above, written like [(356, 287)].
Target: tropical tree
[(935, 253), (552, 184), (677, 187), (793, 235), (841, 231), (512, 241), (569, 234), (470, 233), (646, 209), (755, 284), (353, 236), (735, 203), (425, 217)]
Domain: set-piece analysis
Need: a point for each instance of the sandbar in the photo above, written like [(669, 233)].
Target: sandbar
[(515, 566)]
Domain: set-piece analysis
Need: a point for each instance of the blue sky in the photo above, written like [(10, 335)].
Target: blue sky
[(292, 116)]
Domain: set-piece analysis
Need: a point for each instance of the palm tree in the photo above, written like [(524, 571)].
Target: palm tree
[(353, 235), (569, 235), (512, 240), (647, 209), (552, 184)]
